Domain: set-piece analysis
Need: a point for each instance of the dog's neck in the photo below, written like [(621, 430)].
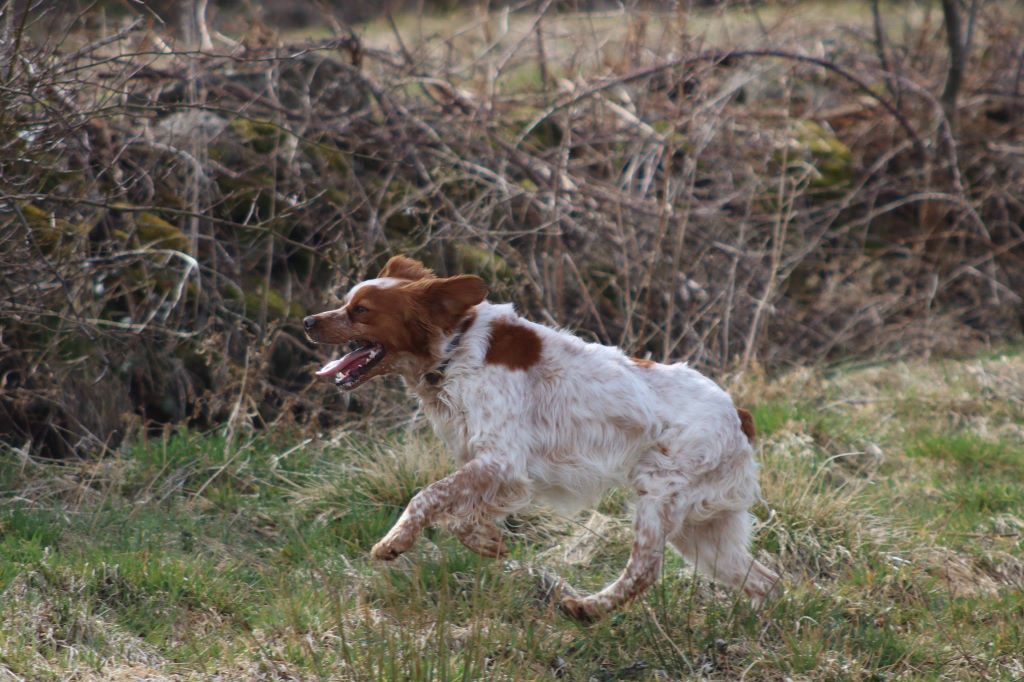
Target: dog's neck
[(428, 381), (436, 376), (457, 355)]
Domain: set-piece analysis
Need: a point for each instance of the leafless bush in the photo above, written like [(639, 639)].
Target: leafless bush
[(169, 214)]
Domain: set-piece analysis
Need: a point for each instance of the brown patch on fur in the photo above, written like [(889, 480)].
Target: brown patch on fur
[(513, 345), (746, 423), (403, 267), (643, 362)]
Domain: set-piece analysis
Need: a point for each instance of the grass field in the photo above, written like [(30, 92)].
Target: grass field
[(894, 507)]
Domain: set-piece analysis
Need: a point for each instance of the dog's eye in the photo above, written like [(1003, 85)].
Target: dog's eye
[(360, 309)]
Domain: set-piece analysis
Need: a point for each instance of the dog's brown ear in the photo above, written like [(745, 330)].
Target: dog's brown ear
[(403, 267), (450, 298), (747, 423)]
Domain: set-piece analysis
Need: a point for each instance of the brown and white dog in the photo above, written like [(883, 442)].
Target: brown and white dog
[(534, 414)]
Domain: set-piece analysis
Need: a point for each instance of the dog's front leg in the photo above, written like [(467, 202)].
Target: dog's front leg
[(457, 494)]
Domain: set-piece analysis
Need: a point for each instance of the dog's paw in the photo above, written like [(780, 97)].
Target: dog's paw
[(584, 610), (761, 584), (385, 551), (392, 546)]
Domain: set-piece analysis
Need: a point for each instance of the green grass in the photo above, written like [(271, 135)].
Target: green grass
[(893, 507)]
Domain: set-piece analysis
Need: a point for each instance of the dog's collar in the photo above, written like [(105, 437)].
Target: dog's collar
[(435, 376)]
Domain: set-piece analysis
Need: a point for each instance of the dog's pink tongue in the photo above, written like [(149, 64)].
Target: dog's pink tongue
[(341, 364)]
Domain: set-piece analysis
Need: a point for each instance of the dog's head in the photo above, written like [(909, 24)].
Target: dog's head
[(394, 323)]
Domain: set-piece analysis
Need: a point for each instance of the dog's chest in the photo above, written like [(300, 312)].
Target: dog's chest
[(449, 423)]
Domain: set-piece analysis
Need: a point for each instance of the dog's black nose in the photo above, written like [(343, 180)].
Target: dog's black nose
[(309, 322)]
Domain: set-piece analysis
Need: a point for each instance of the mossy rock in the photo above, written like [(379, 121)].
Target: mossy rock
[(338, 197), (154, 231), (483, 262), (335, 159), (241, 194), (54, 181), (226, 151), (278, 307), (251, 298), (812, 145), (263, 136), (52, 234), (232, 292), (149, 279)]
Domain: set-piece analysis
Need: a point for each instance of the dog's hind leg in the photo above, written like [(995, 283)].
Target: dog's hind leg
[(656, 518), (718, 547)]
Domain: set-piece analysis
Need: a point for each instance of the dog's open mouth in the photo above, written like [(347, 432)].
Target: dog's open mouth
[(351, 367)]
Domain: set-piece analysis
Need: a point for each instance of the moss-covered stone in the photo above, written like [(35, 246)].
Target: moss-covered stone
[(246, 197), (278, 306), (338, 197), (333, 158), (50, 233), (812, 146), (251, 300), (263, 136), (149, 279), (484, 262), (154, 231)]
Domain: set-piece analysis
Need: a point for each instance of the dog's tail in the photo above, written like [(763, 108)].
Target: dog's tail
[(747, 424)]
